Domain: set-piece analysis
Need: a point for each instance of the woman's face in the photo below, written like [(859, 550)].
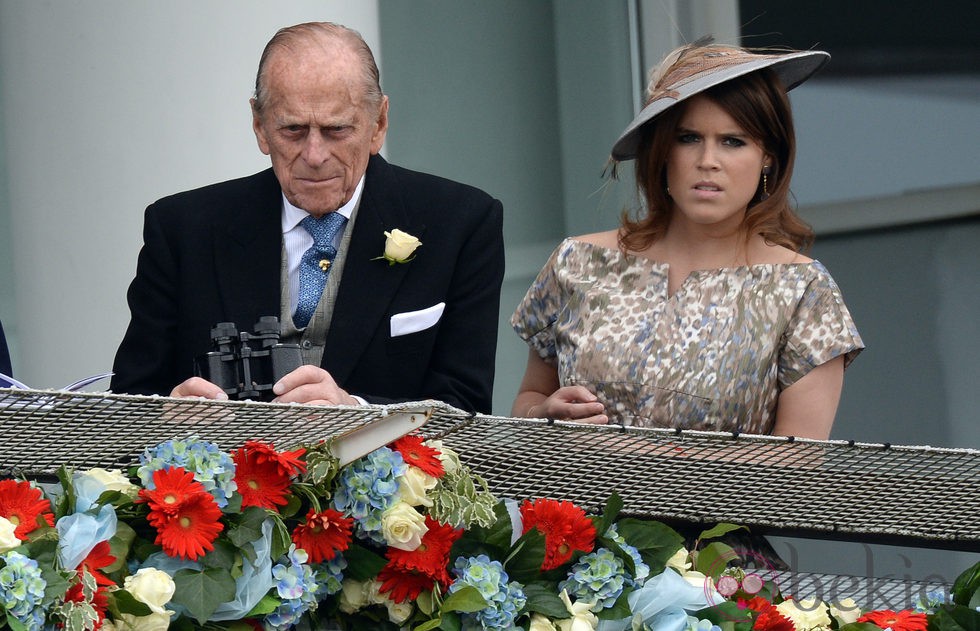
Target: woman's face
[(713, 167)]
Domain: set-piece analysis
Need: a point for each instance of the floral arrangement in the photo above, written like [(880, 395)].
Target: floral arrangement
[(406, 537)]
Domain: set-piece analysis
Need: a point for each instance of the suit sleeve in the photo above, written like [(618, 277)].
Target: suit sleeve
[(145, 359)]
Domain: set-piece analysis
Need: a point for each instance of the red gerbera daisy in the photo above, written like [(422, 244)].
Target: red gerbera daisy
[(770, 619), (261, 481), (431, 558), (100, 557), (402, 585), (184, 514), (288, 462), (21, 504), (419, 455), (565, 528), (904, 620), (324, 534)]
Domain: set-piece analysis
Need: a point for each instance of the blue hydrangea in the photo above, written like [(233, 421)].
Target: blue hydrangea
[(642, 570), (329, 576), (930, 602), (211, 467), (367, 488), (506, 598), (22, 589), (694, 624), (295, 584), (599, 576)]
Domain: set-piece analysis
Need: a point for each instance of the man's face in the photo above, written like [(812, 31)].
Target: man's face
[(317, 127)]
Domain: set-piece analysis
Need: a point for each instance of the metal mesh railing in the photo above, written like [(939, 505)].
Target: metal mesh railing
[(910, 495)]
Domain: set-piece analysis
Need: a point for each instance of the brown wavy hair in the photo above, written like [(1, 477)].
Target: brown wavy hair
[(758, 103)]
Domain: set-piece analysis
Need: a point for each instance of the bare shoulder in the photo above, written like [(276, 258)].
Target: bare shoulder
[(608, 239), (763, 252)]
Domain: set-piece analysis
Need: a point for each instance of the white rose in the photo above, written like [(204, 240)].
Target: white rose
[(413, 486), (680, 561), (540, 623), (152, 587), (807, 613), (403, 527), (113, 480), (846, 611), (399, 612), (129, 622), (353, 595), (8, 540), (582, 617), (399, 245)]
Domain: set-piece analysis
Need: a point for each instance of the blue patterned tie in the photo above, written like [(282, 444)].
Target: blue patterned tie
[(315, 265)]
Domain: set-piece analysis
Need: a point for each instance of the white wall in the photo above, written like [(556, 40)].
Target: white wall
[(107, 106)]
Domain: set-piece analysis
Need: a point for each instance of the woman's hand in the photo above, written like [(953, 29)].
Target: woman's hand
[(570, 403), (542, 396)]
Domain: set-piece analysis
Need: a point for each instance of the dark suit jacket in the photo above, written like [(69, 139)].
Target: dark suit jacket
[(213, 255), (4, 355)]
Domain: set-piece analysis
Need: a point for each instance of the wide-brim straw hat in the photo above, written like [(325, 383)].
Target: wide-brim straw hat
[(699, 67)]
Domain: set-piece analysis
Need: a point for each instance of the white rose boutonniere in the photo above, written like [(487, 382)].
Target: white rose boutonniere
[(399, 246)]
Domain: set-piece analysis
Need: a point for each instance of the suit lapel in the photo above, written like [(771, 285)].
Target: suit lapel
[(248, 250), (368, 285)]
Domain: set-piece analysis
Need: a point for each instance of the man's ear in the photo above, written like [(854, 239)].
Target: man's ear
[(260, 137), (378, 138)]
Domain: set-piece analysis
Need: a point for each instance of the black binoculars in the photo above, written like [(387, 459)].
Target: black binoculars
[(246, 365)]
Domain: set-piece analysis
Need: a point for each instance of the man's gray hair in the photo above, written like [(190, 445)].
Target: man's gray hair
[(287, 37)]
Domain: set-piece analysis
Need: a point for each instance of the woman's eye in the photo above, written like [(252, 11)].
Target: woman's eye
[(685, 139), (734, 142)]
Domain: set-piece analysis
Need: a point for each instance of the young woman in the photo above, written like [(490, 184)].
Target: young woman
[(702, 312)]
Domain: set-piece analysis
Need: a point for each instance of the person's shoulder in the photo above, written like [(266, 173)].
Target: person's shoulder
[(424, 183), (763, 252), (259, 184), (608, 239)]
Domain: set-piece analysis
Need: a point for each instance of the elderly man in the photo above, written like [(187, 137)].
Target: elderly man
[(305, 241)]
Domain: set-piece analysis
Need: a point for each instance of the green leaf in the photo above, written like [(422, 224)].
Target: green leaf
[(14, 623), (655, 541), (121, 601), (720, 531), (362, 564), (450, 622), (267, 605), (713, 558), (248, 528), (966, 585), (527, 555), (424, 603), (955, 618), (202, 592), (428, 625), (726, 611), (467, 600), (543, 599), (609, 514)]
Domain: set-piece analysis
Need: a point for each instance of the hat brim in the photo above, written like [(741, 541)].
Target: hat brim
[(792, 70)]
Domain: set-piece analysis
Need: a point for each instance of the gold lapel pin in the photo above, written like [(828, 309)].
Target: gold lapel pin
[(324, 264)]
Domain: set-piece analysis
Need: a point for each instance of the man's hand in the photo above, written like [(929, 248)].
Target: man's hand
[(313, 385), (198, 387)]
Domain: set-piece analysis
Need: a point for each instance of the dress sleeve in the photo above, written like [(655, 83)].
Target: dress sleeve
[(820, 329), (535, 316)]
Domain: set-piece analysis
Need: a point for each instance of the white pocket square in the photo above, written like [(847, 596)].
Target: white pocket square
[(415, 321)]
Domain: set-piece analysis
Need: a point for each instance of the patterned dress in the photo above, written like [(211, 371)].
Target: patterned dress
[(713, 356)]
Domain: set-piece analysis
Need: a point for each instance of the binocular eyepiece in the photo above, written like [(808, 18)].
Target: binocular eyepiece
[(246, 365)]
